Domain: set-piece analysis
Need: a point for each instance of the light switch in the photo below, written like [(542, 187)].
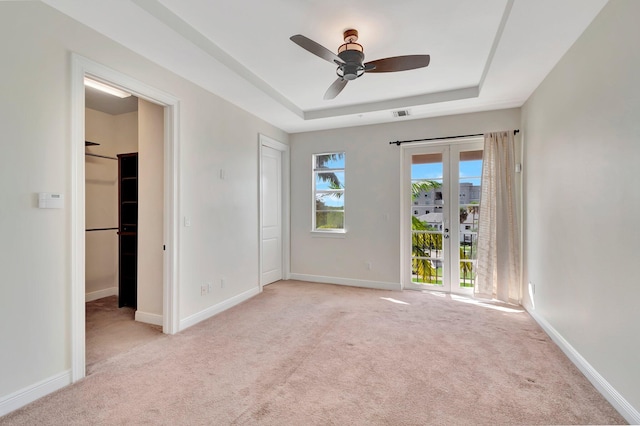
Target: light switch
[(187, 221)]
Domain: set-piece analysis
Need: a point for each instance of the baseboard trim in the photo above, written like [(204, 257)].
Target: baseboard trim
[(625, 409), (148, 318), (379, 285), (36, 391), (105, 292), (217, 308)]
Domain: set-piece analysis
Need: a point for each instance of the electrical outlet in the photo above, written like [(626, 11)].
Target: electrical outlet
[(222, 282), (367, 265), (209, 287), (203, 290)]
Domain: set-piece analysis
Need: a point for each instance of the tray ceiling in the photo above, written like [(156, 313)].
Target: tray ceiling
[(484, 55)]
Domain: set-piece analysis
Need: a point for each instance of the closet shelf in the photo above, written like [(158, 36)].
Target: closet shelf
[(128, 236)]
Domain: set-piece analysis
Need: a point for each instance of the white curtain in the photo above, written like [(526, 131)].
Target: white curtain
[(498, 249)]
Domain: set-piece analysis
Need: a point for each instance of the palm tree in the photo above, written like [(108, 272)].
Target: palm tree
[(422, 242), (321, 162), (325, 170), (466, 269), (423, 186), (421, 246)]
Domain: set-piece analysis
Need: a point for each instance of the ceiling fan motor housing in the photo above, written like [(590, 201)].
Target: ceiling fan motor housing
[(352, 67)]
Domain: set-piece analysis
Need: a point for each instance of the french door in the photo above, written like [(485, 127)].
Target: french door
[(442, 207)]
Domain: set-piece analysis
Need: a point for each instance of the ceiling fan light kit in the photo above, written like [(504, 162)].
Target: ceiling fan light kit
[(350, 38), (350, 60)]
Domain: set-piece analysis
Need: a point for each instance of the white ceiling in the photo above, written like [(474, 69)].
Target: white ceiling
[(100, 101), (485, 55)]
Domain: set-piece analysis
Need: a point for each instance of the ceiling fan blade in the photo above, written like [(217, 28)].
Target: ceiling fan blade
[(315, 48), (398, 63), (335, 88)]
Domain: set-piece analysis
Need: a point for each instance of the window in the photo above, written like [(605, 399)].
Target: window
[(328, 192)]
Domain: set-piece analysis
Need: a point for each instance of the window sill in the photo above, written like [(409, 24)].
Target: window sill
[(328, 234)]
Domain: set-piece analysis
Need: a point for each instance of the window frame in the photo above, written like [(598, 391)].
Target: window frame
[(314, 193)]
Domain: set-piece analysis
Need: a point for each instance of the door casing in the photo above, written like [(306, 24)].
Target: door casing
[(81, 66)]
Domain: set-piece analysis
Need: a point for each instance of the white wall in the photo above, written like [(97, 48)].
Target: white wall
[(126, 132), (372, 196), (581, 132), (150, 208), (35, 118), (116, 134)]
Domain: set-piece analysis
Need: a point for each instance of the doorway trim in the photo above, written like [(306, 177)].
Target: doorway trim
[(264, 140), (81, 66)]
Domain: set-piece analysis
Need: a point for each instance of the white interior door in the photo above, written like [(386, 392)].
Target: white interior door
[(271, 215), (442, 210)]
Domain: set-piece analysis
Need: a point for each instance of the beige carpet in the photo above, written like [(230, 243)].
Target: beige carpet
[(301, 354), (111, 331)]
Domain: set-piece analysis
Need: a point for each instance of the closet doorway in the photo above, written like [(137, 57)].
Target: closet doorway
[(124, 144), (82, 67)]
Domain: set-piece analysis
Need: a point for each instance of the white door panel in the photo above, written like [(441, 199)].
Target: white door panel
[(271, 215)]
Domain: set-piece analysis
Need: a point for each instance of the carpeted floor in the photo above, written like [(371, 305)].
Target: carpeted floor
[(316, 354), (111, 331)]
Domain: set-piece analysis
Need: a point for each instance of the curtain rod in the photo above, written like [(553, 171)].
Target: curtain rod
[(101, 156), (398, 143)]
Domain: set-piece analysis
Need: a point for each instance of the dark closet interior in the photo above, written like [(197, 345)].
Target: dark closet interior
[(128, 229)]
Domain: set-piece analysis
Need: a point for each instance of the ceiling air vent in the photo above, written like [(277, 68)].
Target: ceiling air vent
[(401, 113)]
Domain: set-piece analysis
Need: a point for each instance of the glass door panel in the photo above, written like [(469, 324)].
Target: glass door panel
[(469, 189), (445, 207), (429, 211)]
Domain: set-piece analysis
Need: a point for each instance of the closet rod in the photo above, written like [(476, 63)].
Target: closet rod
[(101, 156), (101, 229), (398, 143)]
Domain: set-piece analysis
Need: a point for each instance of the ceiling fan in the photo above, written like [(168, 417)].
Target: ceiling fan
[(350, 60)]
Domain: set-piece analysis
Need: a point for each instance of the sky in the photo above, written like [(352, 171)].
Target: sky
[(468, 170)]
